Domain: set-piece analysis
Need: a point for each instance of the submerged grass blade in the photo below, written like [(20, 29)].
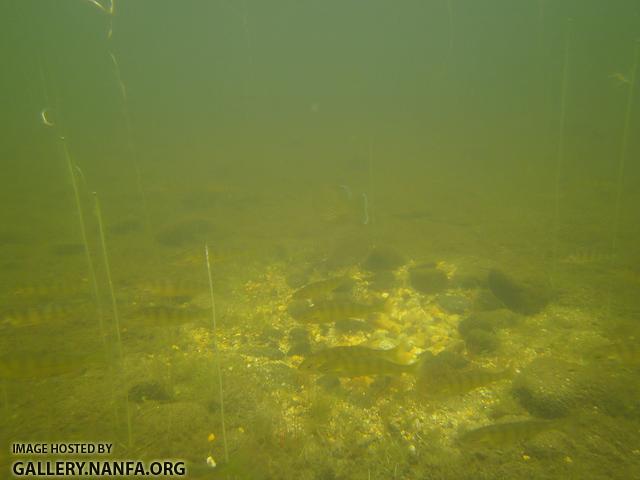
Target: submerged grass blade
[(560, 156), (215, 350), (114, 306), (83, 231)]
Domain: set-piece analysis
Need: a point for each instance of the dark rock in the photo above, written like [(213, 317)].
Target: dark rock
[(149, 391), (481, 341), (454, 303), (471, 323), (550, 388), (428, 279), (527, 298), (384, 258), (469, 276), (506, 407), (485, 300), (467, 281), (501, 317)]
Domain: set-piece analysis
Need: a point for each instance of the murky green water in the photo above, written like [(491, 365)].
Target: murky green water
[(459, 177)]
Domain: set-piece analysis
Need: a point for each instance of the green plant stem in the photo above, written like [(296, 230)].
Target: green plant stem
[(217, 353), (85, 242), (560, 159), (624, 147), (114, 306)]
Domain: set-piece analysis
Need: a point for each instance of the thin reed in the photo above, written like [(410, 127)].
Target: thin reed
[(624, 146), (83, 231), (114, 306), (216, 352), (622, 160), (560, 160), (107, 267)]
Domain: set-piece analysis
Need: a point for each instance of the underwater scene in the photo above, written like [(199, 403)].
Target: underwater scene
[(320, 239)]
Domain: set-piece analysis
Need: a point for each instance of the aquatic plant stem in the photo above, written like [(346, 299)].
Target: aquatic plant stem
[(111, 13), (114, 304), (624, 147), (561, 145), (540, 52), (244, 13), (83, 231), (370, 212), (130, 144), (365, 209), (216, 352), (105, 256)]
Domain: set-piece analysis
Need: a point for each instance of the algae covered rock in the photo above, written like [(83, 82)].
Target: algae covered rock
[(479, 329), (525, 297), (149, 391), (454, 303), (481, 341), (485, 300)]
